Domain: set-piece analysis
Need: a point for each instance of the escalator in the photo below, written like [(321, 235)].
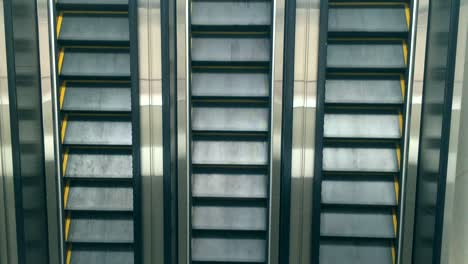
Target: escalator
[(230, 130), (96, 124), (361, 141)]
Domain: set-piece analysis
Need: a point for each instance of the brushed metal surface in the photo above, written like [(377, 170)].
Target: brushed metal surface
[(8, 246), (151, 125), (50, 126)]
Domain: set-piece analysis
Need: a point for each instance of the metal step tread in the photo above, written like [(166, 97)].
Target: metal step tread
[(100, 198), (102, 255), (96, 98), (225, 250), (98, 131), (94, 229), (99, 164), (92, 29)]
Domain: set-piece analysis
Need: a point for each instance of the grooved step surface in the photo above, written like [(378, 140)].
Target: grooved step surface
[(99, 165), (231, 13), (363, 91), (228, 250), (100, 198), (230, 84), (229, 217), (94, 28), (360, 159), (96, 132), (101, 229), (82, 98), (98, 64), (231, 49), (229, 185), (230, 118), (370, 56), (103, 256), (230, 152), (355, 252), (362, 126)]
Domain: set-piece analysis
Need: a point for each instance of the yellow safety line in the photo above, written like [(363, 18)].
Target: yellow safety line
[(393, 253), (405, 52), (68, 261), (400, 122), (397, 188), (398, 156), (65, 194), (65, 162), (63, 88), (64, 127), (403, 86), (408, 15), (59, 23), (60, 60), (67, 226), (395, 221)]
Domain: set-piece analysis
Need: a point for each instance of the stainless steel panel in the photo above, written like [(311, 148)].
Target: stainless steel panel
[(46, 33), (183, 106), (365, 56), (151, 151), (231, 13), (363, 91), (455, 234), (229, 185), (228, 250), (230, 152), (230, 119), (230, 49), (8, 246), (362, 126), (81, 132), (229, 217), (230, 84), (360, 159), (417, 81), (100, 198), (362, 192), (357, 223), (355, 252)]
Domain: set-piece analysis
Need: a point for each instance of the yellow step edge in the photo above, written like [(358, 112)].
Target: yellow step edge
[(395, 221), (66, 192), (69, 252), (400, 122), (393, 253), (63, 88), (59, 24), (60, 59), (405, 51), (398, 154), (65, 162), (64, 128), (408, 15), (397, 188), (403, 86), (67, 226)]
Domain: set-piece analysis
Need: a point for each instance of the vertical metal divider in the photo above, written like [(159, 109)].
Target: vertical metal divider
[(151, 130), (8, 232), (407, 129), (275, 129), (183, 136), (46, 32), (320, 105), (420, 22)]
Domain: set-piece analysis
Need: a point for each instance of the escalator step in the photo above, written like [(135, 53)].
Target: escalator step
[(364, 223), (230, 84), (231, 49), (230, 119), (363, 91), (365, 56), (106, 5), (96, 64), (98, 132), (228, 250), (87, 255), (93, 229), (94, 28), (116, 98), (362, 126), (229, 185), (99, 165), (229, 152), (362, 252), (248, 13), (214, 217), (359, 192), (367, 19), (100, 198), (360, 159)]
